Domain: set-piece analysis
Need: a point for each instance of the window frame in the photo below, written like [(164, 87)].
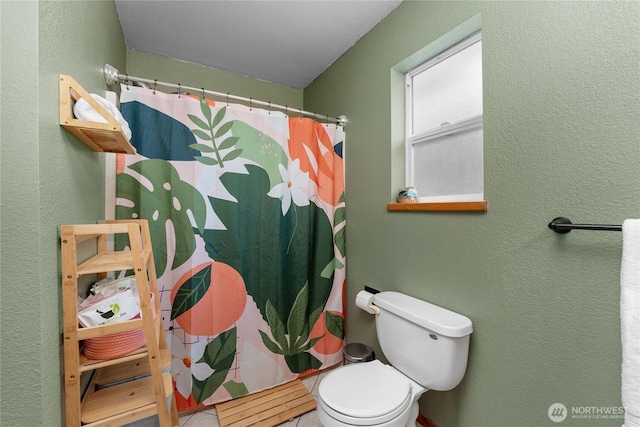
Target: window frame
[(464, 125)]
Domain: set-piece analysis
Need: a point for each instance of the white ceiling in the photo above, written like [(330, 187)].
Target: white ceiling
[(286, 42)]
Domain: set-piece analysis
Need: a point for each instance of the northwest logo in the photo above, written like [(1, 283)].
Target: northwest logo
[(557, 412)]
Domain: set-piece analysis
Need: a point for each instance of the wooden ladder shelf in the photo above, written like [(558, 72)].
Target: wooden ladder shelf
[(132, 386)]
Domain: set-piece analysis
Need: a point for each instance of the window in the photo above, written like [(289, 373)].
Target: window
[(444, 137)]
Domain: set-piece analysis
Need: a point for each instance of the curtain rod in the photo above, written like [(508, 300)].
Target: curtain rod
[(113, 76)]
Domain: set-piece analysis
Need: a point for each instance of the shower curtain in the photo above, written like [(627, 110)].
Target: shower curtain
[(247, 216)]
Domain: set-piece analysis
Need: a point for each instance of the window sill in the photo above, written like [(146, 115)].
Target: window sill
[(438, 207)]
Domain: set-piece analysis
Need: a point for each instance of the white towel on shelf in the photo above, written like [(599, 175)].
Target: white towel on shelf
[(83, 111), (630, 321)]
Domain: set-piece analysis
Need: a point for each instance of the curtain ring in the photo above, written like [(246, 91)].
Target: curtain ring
[(227, 99), (300, 116), (126, 80), (179, 90), (269, 107), (155, 85), (203, 100)]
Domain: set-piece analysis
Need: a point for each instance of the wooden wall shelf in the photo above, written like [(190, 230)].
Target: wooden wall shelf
[(103, 137), (480, 206)]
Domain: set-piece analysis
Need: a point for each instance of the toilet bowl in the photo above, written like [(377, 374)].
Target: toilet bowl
[(368, 394), (427, 348)]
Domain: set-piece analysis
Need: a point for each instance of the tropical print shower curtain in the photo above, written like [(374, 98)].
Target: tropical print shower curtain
[(247, 218)]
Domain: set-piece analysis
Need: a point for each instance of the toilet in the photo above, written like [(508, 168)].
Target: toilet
[(427, 348)]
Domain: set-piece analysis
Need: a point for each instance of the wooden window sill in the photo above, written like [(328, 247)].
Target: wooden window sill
[(480, 206)]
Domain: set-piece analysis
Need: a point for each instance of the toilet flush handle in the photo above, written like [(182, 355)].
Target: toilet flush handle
[(374, 308)]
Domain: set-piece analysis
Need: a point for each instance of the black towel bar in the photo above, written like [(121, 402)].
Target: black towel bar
[(564, 225)]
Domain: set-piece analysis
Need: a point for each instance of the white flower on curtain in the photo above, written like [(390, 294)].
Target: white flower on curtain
[(294, 186), (184, 364)]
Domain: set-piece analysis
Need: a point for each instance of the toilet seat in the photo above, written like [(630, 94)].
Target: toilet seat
[(368, 393)]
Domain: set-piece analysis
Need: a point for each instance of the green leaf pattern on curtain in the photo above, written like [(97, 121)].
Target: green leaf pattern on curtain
[(214, 135), (218, 354), (293, 341), (169, 199), (191, 292), (335, 324)]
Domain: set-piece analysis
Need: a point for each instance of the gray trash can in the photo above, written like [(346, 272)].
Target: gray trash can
[(357, 352)]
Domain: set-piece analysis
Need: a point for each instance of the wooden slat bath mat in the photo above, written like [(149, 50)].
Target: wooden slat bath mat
[(267, 408)]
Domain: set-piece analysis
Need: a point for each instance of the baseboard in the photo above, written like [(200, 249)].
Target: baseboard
[(425, 422)]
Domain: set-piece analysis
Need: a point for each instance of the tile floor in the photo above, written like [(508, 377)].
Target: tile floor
[(208, 417)]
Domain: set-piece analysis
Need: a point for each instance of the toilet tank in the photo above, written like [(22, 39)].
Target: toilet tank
[(427, 343)]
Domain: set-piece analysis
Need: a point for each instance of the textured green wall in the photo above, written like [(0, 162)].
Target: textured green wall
[(150, 66), (562, 137), (49, 178), (20, 359)]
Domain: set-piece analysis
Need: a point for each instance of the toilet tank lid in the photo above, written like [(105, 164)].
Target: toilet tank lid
[(432, 317)]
